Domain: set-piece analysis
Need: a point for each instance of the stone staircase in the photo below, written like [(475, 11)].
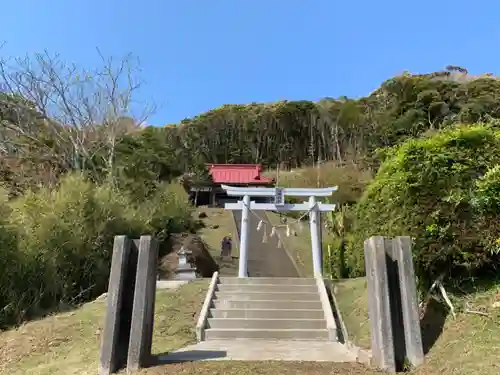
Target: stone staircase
[(268, 308)]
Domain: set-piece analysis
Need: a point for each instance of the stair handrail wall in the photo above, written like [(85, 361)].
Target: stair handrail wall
[(202, 319), (340, 320), (331, 326)]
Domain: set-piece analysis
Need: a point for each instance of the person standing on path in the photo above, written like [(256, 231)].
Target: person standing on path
[(226, 246)]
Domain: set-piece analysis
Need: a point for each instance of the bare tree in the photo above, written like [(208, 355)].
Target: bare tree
[(85, 111)]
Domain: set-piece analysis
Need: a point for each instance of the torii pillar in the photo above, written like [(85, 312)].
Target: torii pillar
[(279, 205)]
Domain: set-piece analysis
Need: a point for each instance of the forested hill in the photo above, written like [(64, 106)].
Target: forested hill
[(291, 133), (296, 133)]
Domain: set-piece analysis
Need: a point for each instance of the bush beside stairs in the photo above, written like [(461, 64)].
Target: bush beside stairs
[(267, 308)]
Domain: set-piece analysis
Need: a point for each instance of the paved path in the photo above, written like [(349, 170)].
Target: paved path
[(265, 259), (170, 284), (262, 350)]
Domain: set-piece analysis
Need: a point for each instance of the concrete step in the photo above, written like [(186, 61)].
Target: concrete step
[(275, 288), (267, 313), (266, 350), (269, 334), (237, 303), (269, 296), (266, 323), (267, 280)]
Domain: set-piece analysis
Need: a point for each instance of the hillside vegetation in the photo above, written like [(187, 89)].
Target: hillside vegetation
[(418, 156), (56, 244), (443, 192)]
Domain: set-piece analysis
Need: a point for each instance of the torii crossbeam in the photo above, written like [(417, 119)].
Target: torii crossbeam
[(279, 204)]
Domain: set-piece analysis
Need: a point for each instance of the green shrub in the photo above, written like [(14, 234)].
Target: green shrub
[(433, 190), (167, 211), (487, 196), (487, 201), (339, 226), (10, 260), (57, 244)]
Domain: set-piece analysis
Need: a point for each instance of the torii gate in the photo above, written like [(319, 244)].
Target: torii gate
[(279, 204)]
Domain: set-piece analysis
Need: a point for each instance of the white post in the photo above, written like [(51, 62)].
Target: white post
[(315, 240), (245, 210), (320, 236)]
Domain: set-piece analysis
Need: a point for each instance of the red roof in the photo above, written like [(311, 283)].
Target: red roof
[(238, 174)]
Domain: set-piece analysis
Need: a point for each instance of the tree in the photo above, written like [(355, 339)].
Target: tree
[(82, 112)]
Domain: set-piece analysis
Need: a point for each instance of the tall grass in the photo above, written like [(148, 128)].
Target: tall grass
[(56, 244), (350, 178)]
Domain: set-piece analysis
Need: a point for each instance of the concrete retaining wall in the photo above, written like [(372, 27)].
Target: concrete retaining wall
[(331, 326)]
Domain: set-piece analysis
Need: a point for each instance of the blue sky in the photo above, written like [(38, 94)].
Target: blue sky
[(198, 55)]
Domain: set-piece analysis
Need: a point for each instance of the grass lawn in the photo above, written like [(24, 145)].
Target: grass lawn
[(468, 344), (219, 223), (68, 343)]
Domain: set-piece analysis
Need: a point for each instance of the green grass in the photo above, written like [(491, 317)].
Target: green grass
[(468, 344), (68, 343), (223, 220), (352, 297), (218, 224)]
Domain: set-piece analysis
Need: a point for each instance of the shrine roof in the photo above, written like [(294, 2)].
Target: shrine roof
[(238, 174)]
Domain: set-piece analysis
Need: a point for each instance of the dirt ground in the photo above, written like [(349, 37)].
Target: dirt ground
[(200, 256), (261, 368)]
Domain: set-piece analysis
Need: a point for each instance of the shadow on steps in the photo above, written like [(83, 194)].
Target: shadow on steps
[(186, 356)]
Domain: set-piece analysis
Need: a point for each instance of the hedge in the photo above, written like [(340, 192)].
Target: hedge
[(444, 192)]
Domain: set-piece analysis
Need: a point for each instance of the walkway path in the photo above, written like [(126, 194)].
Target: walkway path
[(262, 350), (265, 259)]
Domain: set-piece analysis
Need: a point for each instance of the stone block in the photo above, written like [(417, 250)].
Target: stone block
[(120, 295), (409, 302), (379, 308), (184, 270), (141, 334), (398, 334)]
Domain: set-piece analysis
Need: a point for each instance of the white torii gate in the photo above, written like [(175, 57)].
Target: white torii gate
[(279, 204)]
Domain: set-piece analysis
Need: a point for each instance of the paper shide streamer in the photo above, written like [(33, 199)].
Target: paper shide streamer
[(264, 237), (259, 226), (273, 232)]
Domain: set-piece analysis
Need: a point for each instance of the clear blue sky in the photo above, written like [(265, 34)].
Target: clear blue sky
[(198, 55)]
